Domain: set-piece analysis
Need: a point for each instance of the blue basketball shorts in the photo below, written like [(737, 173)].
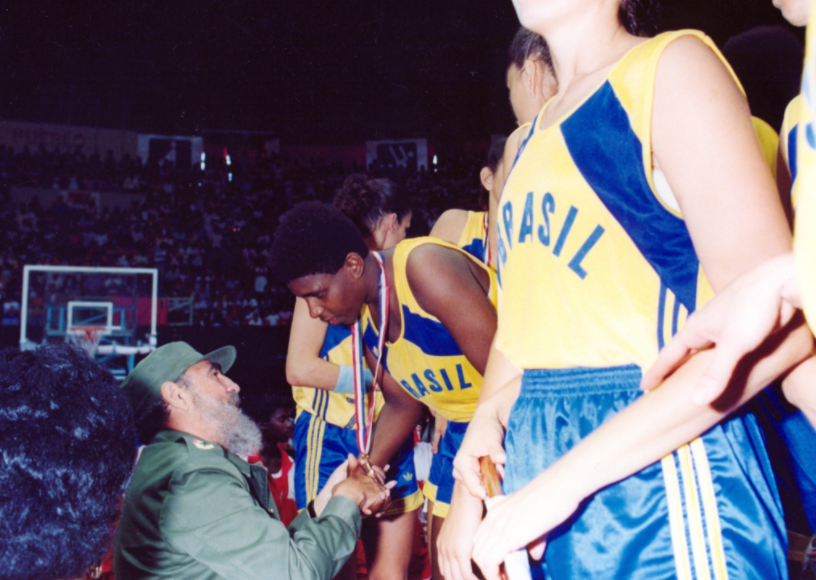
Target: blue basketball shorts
[(709, 510), (791, 443), (320, 447), (439, 487)]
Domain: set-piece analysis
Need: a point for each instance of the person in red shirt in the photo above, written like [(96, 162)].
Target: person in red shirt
[(275, 416)]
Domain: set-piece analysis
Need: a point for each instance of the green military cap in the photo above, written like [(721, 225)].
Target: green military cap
[(167, 363)]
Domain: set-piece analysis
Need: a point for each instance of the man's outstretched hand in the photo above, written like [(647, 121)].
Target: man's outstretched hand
[(363, 489)]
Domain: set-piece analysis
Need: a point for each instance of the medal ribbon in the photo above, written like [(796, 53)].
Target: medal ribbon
[(487, 240), (365, 417)]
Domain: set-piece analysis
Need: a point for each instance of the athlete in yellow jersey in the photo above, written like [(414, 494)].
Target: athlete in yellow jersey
[(596, 271), (440, 322), (427, 362), (319, 362)]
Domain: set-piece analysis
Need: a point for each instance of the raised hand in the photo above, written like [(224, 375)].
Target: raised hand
[(485, 438)]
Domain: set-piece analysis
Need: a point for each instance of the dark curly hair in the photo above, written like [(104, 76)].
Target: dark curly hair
[(68, 449), (639, 17), (366, 201), (528, 45), (313, 238)]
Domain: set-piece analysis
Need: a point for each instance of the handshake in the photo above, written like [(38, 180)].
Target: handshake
[(359, 481)]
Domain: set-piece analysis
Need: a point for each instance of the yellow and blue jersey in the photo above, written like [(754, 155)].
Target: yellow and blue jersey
[(334, 408), (615, 262), (425, 359), (597, 271), (474, 235)]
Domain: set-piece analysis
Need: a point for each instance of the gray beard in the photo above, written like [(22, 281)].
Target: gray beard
[(236, 432)]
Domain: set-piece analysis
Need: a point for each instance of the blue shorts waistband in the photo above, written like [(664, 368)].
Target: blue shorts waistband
[(581, 380)]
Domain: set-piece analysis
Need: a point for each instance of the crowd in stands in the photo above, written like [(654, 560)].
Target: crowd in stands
[(207, 231)]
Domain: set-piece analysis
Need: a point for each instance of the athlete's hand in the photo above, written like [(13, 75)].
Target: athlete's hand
[(455, 541), (371, 496), (735, 322), (485, 438), (522, 519)]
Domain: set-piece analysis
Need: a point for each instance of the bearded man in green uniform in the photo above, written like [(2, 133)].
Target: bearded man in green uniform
[(196, 509)]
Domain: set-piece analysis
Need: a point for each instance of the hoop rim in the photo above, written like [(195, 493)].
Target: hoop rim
[(87, 330)]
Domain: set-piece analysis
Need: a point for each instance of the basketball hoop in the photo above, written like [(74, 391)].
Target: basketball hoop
[(86, 338)]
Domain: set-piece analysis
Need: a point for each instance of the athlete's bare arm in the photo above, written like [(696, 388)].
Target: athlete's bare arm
[(448, 285), (304, 367), (485, 434), (397, 419), (450, 225), (704, 141)]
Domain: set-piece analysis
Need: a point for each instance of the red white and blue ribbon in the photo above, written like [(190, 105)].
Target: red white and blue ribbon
[(487, 240), (365, 417)]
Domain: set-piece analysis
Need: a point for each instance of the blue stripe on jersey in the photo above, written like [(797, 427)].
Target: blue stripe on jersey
[(334, 336), (322, 399), (609, 155), (476, 249), (430, 336), (792, 152), (316, 399)]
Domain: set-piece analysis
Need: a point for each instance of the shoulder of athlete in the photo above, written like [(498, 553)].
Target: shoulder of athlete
[(450, 225), (437, 274), (688, 65), (693, 89)]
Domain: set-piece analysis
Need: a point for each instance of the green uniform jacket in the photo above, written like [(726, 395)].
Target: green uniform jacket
[(196, 511)]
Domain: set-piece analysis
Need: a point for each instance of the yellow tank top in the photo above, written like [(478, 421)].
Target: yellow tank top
[(474, 236), (334, 408), (804, 192), (425, 359), (594, 269)]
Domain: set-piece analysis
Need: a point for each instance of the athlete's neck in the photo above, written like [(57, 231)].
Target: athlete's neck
[(583, 43)]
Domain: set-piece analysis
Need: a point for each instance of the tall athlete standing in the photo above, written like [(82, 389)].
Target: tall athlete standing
[(319, 363), (597, 270), (440, 318)]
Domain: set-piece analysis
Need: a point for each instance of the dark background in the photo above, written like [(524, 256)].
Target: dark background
[(310, 71)]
